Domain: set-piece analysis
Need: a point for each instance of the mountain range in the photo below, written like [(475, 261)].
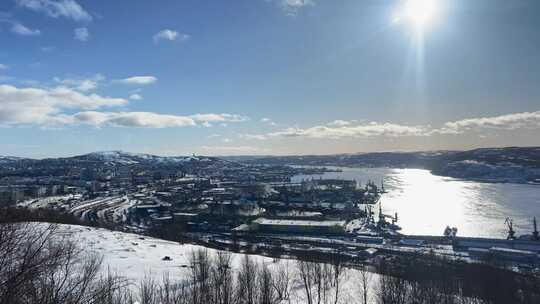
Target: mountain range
[(509, 164)]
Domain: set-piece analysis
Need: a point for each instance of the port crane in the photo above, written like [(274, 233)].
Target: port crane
[(383, 217), (535, 231), (382, 186), (511, 233)]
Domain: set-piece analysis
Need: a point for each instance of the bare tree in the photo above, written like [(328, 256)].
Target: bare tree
[(222, 278), (305, 273), (364, 280), (110, 289), (338, 271), (38, 264), (246, 292), (147, 290), (282, 282), (267, 294), (392, 290), (170, 292), (201, 269)]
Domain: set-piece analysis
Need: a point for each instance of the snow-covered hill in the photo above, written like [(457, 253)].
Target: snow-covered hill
[(9, 159), (135, 256), (503, 172), (128, 158)]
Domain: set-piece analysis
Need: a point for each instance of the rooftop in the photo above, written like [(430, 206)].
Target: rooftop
[(265, 221)]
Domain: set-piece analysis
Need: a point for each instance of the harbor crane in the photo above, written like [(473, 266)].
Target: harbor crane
[(383, 217), (535, 231), (511, 233)]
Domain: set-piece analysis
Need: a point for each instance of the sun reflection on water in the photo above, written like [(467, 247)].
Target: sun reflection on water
[(427, 203)]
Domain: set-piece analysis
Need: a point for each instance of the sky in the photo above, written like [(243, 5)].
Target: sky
[(245, 77)]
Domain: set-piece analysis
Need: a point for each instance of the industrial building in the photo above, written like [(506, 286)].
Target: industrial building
[(298, 226)]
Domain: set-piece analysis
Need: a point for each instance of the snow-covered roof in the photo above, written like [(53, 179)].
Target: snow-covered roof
[(278, 222)]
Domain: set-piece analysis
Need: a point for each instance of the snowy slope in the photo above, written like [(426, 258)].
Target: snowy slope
[(132, 255), (127, 158), (135, 256)]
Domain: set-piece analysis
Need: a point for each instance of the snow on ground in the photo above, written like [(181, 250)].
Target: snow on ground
[(45, 202), (360, 226), (134, 257)]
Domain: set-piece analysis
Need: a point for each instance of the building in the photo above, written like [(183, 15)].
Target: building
[(514, 254), (36, 191), (184, 217), (464, 243), (10, 196), (299, 226), (506, 254)]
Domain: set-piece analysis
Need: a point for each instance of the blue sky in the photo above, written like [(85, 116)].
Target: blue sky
[(266, 76)]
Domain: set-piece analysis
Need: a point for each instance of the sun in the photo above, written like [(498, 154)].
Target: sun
[(420, 13)]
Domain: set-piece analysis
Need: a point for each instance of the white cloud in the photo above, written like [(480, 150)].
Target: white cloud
[(22, 30), (253, 136), (292, 7), (83, 85), (267, 120), (367, 130), (340, 123), (170, 35), (59, 106), (339, 129), (62, 8), (207, 119), (138, 80), (135, 96), (346, 130), (81, 34), (46, 106), (525, 120), (3, 66), (219, 117), (131, 119)]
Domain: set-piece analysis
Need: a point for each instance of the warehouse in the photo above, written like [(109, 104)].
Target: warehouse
[(298, 226)]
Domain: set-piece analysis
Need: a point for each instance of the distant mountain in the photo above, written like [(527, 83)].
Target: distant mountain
[(10, 159), (106, 158), (511, 164), (377, 159), (126, 158), (523, 156)]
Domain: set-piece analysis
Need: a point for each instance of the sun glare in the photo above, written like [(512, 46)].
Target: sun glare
[(419, 13)]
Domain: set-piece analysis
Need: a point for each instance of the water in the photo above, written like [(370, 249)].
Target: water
[(427, 203)]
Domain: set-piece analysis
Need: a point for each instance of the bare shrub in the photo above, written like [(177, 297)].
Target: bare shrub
[(40, 265)]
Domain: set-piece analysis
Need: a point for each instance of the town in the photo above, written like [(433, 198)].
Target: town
[(240, 207)]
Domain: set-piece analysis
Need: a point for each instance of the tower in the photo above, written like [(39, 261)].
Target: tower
[(535, 231)]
